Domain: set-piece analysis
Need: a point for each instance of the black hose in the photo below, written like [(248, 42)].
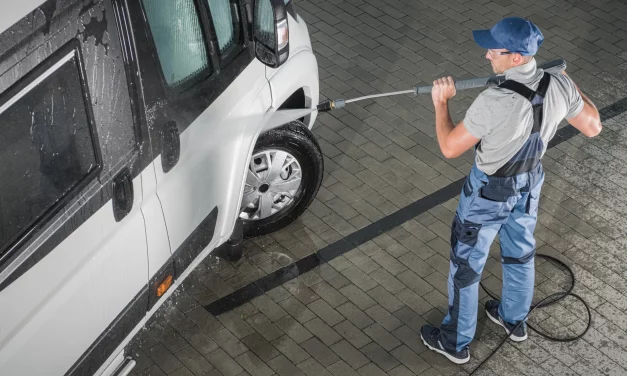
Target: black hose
[(547, 301)]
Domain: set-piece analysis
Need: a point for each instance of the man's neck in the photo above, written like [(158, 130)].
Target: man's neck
[(525, 70)]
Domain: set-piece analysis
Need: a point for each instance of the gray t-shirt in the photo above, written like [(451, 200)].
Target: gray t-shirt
[(503, 119)]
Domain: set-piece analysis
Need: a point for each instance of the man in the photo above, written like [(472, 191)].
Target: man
[(510, 127)]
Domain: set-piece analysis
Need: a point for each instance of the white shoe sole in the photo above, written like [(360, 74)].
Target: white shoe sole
[(447, 355), (511, 336)]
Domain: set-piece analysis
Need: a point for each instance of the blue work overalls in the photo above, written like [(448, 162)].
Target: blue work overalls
[(506, 203)]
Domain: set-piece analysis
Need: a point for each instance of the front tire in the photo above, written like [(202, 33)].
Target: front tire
[(284, 175)]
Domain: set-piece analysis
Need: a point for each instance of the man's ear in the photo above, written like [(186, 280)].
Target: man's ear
[(518, 59)]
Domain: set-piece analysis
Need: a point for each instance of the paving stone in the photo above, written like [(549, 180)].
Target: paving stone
[(375, 353), (614, 315), (323, 310), (235, 324), (224, 363), (154, 370), (324, 332), (349, 354), (253, 365), (327, 292), (264, 327), (401, 370), (371, 369), (341, 368), (320, 352), (357, 297), (261, 347), (417, 264), (410, 318), (382, 337), (194, 361), (387, 281), (385, 298), (363, 262), (283, 367), (172, 339), (269, 308), (312, 368), (333, 277), (163, 358), (355, 315), (410, 359), (301, 291), (389, 263), (290, 349), (359, 278), (352, 334), (414, 282), (207, 322), (293, 328), (415, 302), (383, 317), (297, 310), (179, 372)]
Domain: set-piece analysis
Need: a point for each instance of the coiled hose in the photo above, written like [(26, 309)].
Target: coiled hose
[(546, 302)]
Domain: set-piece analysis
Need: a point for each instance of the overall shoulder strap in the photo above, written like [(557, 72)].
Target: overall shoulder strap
[(543, 85), (519, 88)]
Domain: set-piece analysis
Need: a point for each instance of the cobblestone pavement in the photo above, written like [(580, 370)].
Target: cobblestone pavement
[(359, 311)]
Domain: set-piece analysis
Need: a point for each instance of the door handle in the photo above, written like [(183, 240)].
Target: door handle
[(170, 146), (122, 194)]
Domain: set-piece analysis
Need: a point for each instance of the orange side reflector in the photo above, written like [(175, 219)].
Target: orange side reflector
[(164, 286)]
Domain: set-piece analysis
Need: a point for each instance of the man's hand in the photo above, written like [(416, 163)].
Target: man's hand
[(443, 90)]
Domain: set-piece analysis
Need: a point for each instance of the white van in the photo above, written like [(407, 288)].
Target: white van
[(124, 161)]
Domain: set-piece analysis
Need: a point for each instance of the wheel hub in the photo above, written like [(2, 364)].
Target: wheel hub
[(274, 177)]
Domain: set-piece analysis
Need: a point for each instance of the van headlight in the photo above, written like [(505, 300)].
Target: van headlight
[(283, 33)]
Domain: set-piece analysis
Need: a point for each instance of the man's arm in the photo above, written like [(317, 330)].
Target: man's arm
[(453, 140), (588, 121)]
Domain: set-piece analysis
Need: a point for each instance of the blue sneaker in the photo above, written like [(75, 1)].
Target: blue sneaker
[(431, 338), (515, 334)]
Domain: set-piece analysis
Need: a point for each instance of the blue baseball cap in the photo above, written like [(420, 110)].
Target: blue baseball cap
[(512, 33)]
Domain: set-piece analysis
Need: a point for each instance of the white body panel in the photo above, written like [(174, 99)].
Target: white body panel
[(300, 71), (156, 231), (211, 152), (82, 284)]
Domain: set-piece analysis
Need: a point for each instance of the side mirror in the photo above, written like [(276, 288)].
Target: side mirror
[(271, 32)]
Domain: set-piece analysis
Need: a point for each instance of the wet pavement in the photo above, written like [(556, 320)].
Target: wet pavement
[(345, 289)]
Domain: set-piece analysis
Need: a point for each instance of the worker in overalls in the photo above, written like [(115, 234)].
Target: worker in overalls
[(510, 127)]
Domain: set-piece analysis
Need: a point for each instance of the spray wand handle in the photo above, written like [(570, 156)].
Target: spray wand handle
[(553, 66)]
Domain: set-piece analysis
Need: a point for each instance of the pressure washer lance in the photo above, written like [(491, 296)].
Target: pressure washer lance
[(553, 66)]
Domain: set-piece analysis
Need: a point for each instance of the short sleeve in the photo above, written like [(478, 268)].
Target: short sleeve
[(476, 120), (575, 102)]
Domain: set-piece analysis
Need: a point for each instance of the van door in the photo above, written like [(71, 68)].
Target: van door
[(199, 79), (73, 256)]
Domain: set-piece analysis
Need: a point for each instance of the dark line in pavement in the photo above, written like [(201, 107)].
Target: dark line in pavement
[(359, 237)]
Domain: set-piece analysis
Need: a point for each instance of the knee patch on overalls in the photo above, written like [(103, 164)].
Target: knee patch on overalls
[(521, 260)]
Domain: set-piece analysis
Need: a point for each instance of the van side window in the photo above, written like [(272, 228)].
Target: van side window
[(226, 24), (178, 37), (48, 146)]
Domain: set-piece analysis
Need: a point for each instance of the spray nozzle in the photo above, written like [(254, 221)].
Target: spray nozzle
[(331, 104)]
